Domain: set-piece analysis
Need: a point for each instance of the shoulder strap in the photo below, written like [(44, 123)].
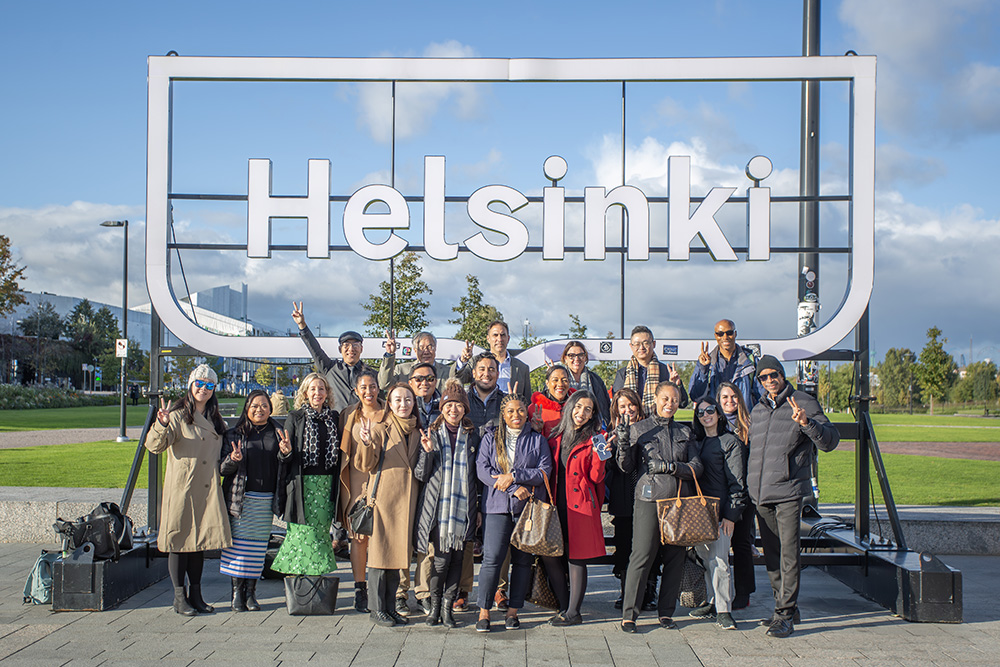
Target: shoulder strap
[(378, 476)]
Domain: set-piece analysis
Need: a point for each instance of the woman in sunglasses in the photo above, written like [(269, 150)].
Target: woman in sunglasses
[(575, 358), (724, 478), (193, 515), (744, 534)]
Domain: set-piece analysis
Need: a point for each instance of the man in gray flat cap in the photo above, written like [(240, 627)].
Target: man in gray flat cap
[(340, 373)]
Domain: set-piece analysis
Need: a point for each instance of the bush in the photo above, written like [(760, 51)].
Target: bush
[(18, 397)]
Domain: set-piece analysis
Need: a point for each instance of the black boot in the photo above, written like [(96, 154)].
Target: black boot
[(649, 601), (361, 596), (448, 614), (239, 601), (196, 601), (434, 615), (181, 605), (250, 590)]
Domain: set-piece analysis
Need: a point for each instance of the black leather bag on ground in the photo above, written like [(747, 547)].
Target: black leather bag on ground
[(105, 527), (693, 591), (311, 595)]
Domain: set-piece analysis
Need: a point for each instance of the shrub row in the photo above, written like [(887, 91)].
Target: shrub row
[(18, 397)]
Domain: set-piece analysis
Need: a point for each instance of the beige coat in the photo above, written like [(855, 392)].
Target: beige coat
[(391, 544), (353, 482), (193, 514)]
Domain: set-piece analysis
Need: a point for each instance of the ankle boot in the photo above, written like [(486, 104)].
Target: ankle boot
[(448, 614), (239, 601), (434, 615), (250, 590), (181, 605), (196, 601), (361, 597)]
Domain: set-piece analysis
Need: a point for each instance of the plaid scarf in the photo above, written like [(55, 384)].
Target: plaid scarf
[(648, 392), (453, 502), (311, 446)]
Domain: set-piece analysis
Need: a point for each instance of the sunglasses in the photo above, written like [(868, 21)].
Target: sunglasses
[(202, 384), (424, 378), (729, 333), (707, 410), (765, 377)]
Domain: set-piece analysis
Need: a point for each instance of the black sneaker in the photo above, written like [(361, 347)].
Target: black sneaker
[(483, 625), (704, 611), (781, 628), (511, 623), (725, 621), (425, 606), (382, 618), (402, 608)]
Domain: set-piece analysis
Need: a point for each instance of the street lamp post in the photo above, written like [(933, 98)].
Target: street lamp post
[(122, 437)]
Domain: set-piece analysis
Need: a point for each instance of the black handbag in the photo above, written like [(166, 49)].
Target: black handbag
[(693, 591), (361, 516), (311, 595), (105, 527)]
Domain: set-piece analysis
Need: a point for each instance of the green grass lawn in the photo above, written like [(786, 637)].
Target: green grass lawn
[(87, 417), (915, 480)]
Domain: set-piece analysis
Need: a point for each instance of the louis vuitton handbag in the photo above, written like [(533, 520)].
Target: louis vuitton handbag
[(538, 530), (688, 521)]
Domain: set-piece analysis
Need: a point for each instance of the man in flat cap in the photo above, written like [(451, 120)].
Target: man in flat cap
[(340, 373), (785, 425)]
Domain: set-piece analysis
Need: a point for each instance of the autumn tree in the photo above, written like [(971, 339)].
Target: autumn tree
[(474, 316), (409, 309), (936, 368), (11, 295)]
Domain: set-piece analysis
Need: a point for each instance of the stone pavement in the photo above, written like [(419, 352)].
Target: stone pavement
[(838, 627)]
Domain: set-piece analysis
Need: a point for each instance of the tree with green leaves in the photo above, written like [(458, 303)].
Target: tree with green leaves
[(979, 383), (136, 364), (11, 275), (43, 322), (474, 316), (936, 368), (265, 375), (896, 376), (835, 386), (92, 332), (409, 314)]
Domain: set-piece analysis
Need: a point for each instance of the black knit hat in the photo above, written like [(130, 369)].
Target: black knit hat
[(770, 363)]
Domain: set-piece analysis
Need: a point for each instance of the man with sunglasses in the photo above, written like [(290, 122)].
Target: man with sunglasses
[(726, 362), (785, 425), (340, 373)]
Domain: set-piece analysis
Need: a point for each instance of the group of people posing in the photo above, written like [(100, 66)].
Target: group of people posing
[(446, 454)]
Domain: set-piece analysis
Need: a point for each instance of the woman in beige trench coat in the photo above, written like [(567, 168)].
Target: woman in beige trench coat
[(396, 441), (192, 516)]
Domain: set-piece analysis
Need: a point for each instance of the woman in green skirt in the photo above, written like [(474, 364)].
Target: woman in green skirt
[(309, 491)]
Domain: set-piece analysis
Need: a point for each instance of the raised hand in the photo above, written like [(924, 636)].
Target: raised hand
[(237, 453), (466, 355), (297, 315), (284, 444), (390, 342), (163, 414), (425, 441), (673, 375), (536, 420), (703, 358), (798, 414), (366, 431)]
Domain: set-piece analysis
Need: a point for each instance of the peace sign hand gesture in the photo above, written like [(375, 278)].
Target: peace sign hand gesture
[(390, 342), (284, 444), (237, 453), (703, 358), (163, 414), (673, 375), (798, 414), (466, 355), (366, 431), (425, 441), (297, 315)]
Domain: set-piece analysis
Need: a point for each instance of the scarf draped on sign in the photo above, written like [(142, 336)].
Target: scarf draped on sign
[(648, 391), (453, 503), (311, 446)]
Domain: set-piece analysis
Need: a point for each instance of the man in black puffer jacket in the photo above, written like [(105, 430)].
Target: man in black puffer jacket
[(784, 427)]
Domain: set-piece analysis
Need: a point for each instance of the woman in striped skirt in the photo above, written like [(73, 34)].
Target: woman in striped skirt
[(250, 454)]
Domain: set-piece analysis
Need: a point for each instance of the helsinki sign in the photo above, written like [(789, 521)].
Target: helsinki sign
[(683, 225)]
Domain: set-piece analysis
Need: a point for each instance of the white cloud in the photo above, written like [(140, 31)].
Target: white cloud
[(895, 165)]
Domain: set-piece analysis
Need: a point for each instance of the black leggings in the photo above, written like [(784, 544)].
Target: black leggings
[(190, 563)]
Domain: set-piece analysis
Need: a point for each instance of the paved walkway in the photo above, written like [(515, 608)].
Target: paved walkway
[(838, 626), (63, 436)]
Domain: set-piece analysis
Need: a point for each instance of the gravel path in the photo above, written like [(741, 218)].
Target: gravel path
[(65, 436)]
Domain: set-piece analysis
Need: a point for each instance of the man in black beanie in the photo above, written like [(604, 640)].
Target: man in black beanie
[(785, 425)]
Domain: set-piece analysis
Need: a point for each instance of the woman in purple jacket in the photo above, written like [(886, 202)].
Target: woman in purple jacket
[(510, 464)]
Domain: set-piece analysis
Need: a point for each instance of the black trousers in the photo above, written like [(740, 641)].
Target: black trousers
[(446, 572), (623, 544), (382, 585), (779, 525), (742, 544), (646, 551)]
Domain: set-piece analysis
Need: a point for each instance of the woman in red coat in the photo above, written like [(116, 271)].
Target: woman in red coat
[(547, 405), (578, 472)]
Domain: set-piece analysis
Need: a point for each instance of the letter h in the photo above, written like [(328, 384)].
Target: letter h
[(262, 206)]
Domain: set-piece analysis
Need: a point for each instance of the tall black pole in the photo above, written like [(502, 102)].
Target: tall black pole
[(122, 436), (623, 219), (808, 292), (392, 183)]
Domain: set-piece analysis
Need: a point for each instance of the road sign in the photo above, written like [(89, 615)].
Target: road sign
[(121, 348)]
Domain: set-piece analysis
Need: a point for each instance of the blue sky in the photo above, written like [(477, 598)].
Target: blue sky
[(74, 122)]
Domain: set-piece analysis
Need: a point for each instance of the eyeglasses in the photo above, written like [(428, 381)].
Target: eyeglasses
[(645, 344), (576, 355), (729, 333), (423, 378), (707, 410), (352, 343), (765, 377), (202, 384)]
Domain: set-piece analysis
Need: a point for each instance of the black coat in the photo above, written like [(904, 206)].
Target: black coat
[(781, 450), (289, 492), (670, 441), (723, 477), (234, 473), (430, 472)]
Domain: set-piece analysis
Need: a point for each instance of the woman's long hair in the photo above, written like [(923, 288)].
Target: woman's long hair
[(633, 397), (742, 414), (699, 429), (500, 436), (187, 406), (243, 425), (571, 435)]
